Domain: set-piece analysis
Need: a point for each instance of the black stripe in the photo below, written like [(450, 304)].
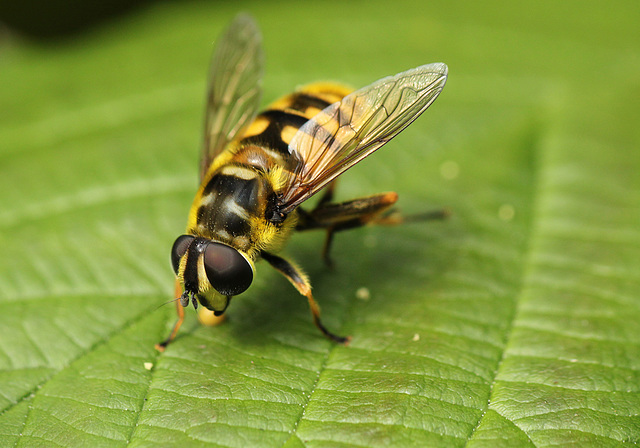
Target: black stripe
[(236, 225), (271, 137), (190, 275), (303, 101), (231, 184), (200, 214)]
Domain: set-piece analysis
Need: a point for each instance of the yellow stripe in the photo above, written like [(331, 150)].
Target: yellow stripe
[(233, 207), (240, 172), (258, 126), (287, 133), (328, 91)]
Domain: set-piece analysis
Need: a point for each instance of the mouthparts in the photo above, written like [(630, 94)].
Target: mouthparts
[(189, 296)]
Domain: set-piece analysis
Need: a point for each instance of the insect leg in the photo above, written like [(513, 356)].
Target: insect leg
[(394, 217), (374, 209), (345, 215), (174, 331), (301, 283)]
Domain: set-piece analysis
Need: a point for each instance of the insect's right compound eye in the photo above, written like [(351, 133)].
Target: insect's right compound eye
[(228, 271), (179, 249)]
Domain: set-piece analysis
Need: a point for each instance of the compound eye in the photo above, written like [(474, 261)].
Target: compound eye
[(228, 271), (179, 249)]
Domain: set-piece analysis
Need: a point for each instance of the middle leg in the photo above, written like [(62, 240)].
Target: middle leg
[(334, 217)]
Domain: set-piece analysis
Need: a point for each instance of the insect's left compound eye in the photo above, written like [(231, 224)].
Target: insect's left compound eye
[(228, 271), (179, 249)]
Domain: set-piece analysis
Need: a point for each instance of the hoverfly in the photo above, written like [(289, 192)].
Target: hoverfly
[(257, 169)]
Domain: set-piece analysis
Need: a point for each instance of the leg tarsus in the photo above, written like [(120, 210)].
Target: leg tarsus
[(394, 217), (174, 331), (344, 340)]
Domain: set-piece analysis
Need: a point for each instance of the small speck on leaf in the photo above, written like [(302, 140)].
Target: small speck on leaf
[(449, 169), (363, 293), (506, 212)]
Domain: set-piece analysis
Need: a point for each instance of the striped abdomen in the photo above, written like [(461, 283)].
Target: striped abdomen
[(273, 129)]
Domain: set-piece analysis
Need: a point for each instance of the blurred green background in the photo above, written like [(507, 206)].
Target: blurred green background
[(514, 323)]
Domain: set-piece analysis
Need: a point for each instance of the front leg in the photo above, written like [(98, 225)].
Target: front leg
[(180, 310), (301, 283)]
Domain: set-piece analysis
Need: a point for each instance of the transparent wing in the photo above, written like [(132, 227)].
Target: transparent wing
[(234, 87), (348, 131)]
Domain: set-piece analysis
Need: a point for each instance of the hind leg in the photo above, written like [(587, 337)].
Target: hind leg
[(376, 210)]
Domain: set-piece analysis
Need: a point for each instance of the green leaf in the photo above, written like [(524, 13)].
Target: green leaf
[(514, 323)]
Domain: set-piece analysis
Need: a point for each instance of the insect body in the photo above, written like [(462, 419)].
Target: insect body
[(256, 170)]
